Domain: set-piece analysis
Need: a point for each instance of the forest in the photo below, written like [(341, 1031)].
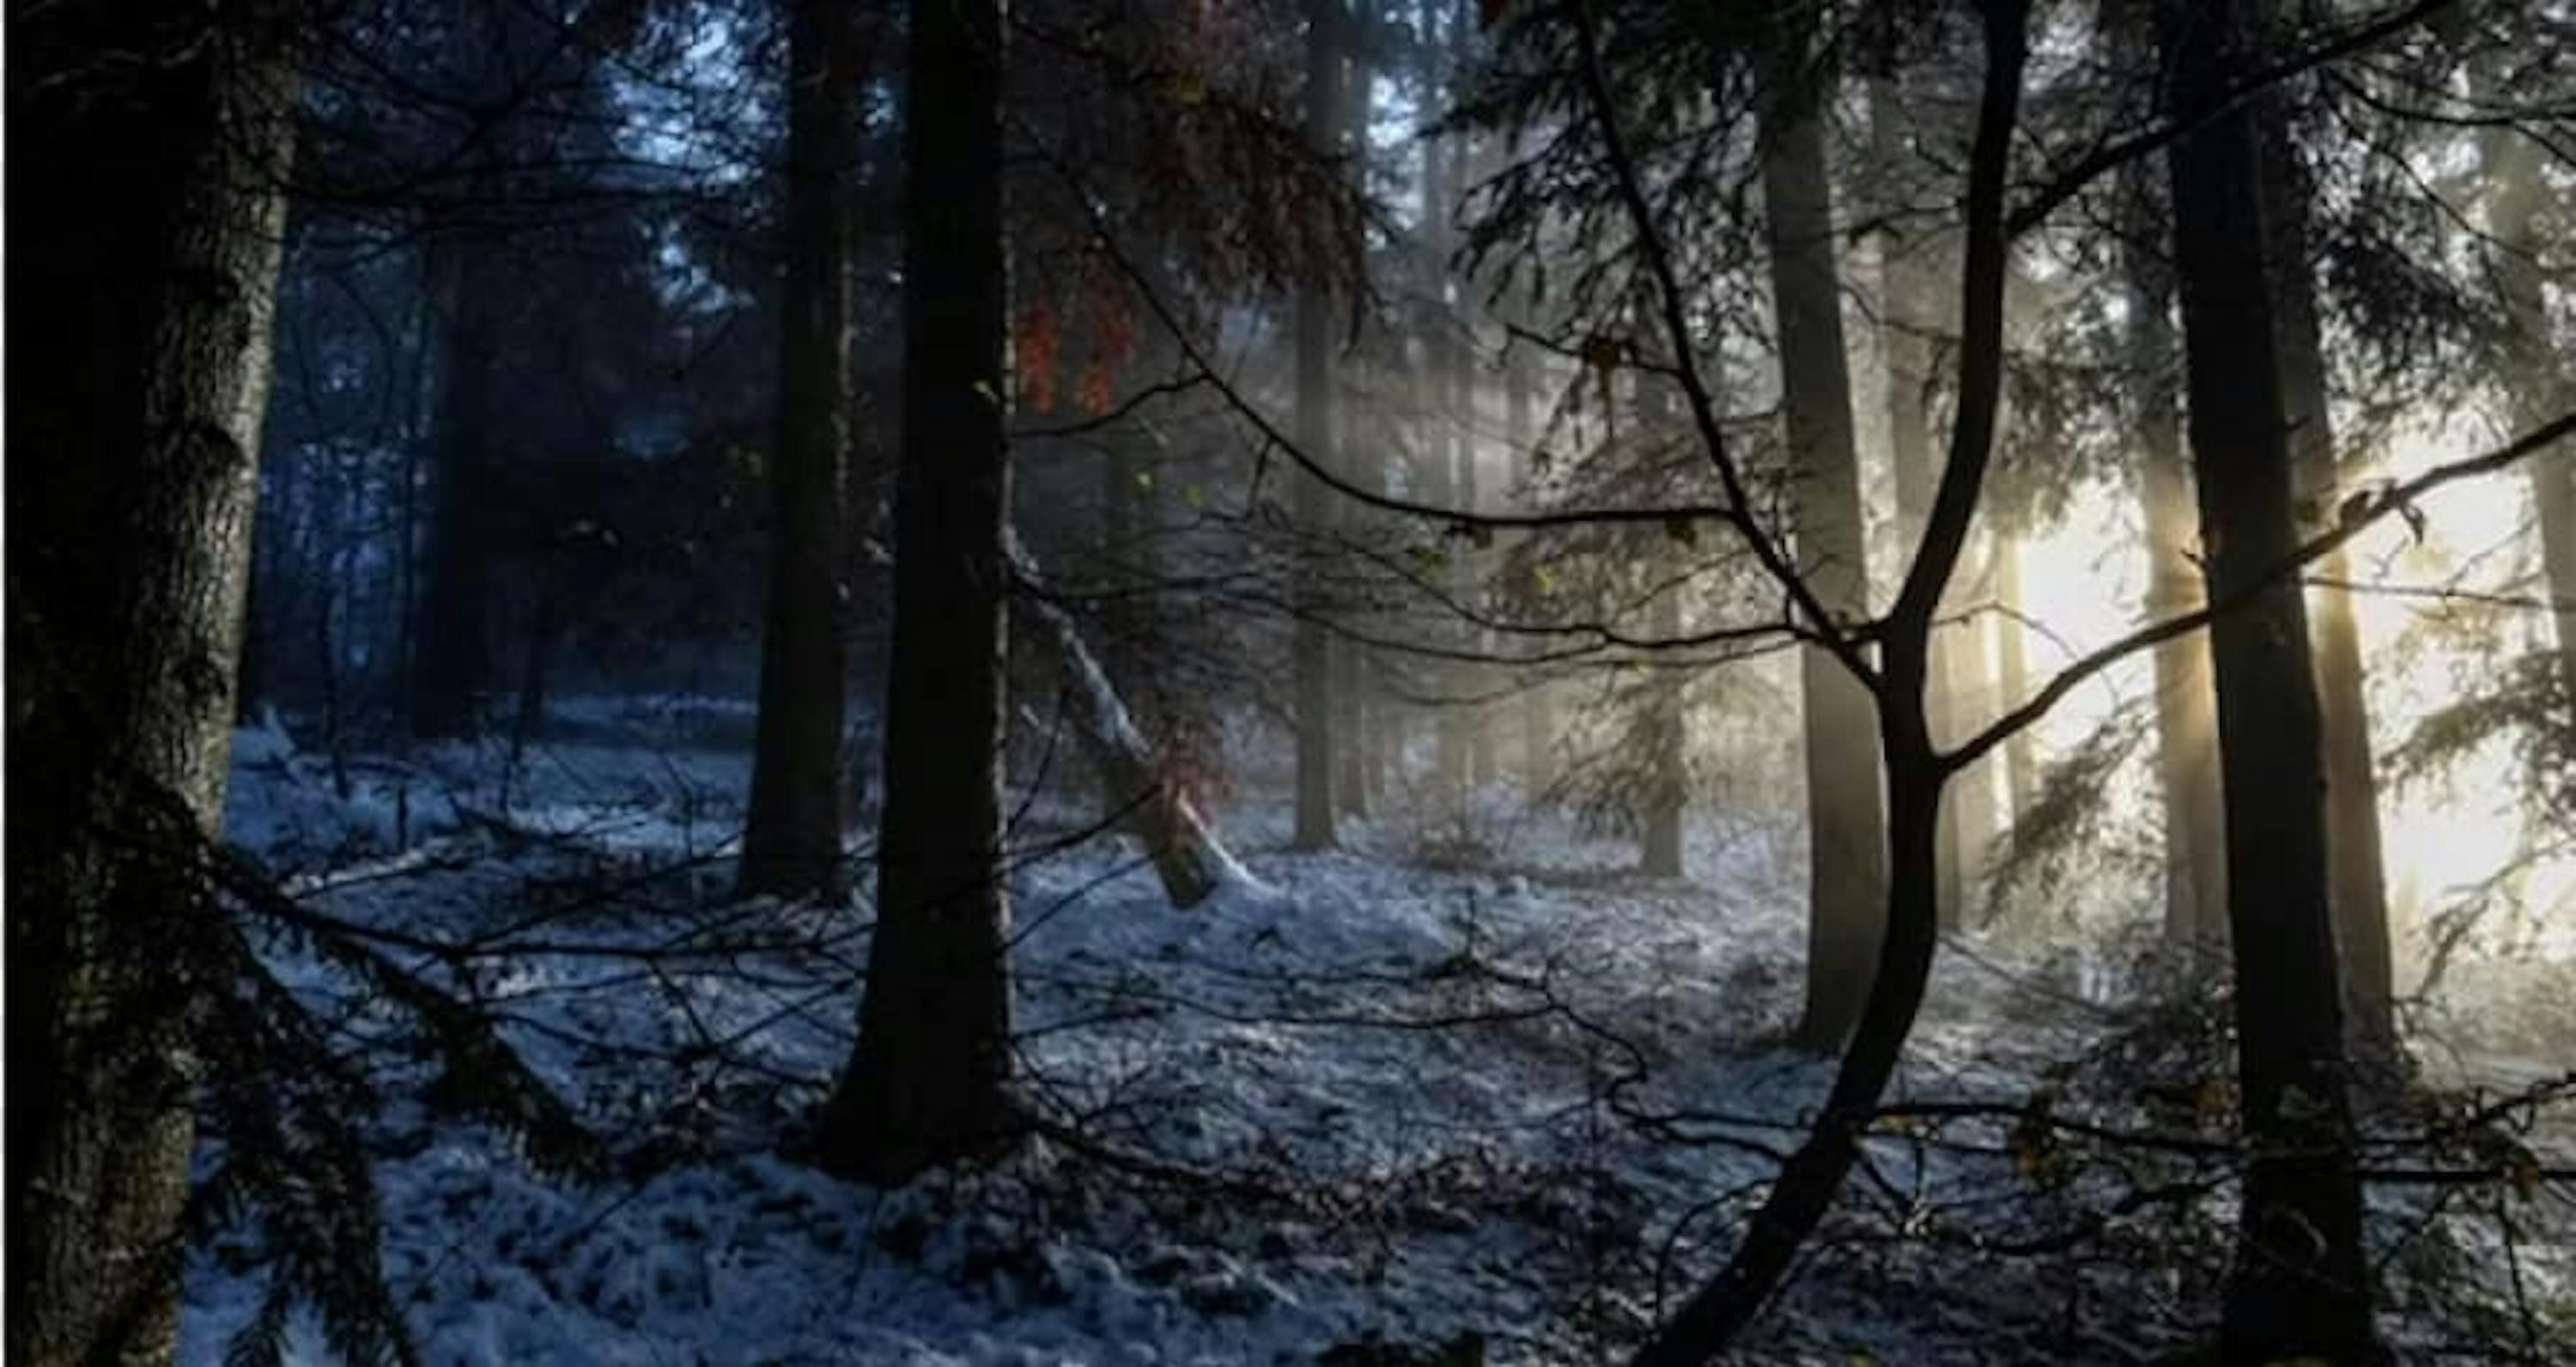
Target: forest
[(1371, 683)]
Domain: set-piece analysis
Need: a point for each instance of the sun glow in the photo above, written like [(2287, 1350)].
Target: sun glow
[(2436, 611)]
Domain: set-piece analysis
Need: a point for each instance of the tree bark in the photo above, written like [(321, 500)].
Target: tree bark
[(1848, 850), (151, 208), (791, 839), (929, 1080), (1314, 324), (2300, 1287)]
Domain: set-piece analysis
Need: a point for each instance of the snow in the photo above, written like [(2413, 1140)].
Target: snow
[(1349, 1109)]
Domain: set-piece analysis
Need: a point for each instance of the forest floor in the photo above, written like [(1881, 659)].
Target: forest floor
[(1431, 1101)]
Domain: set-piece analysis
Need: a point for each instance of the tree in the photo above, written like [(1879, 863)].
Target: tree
[(791, 840), (471, 303), (149, 144), (929, 1080), (2358, 887), (2186, 719), (1538, 716), (1847, 861), (2540, 382), (2300, 1286), (1314, 326)]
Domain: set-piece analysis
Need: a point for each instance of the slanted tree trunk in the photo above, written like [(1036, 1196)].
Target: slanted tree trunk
[(1846, 875), (929, 1080), (791, 837), (150, 203), (1314, 326), (2300, 1286), (2186, 713), (2539, 377), (1187, 854)]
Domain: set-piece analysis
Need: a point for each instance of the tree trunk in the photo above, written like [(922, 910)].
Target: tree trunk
[(1354, 745), (1537, 720), (2186, 712), (452, 665), (791, 838), (1314, 327), (2300, 1287), (1667, 722), (1905, 330), (929, 1080), (2012, 673), (2539, 378), (1660, 853), (1848, 852), (151, 207), (2353, 864), (1971, 792), (1187, 854)]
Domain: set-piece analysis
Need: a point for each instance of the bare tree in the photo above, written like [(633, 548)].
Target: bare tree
[(791, 839), (1314, 326), (928, 1082), (2300, 1288)]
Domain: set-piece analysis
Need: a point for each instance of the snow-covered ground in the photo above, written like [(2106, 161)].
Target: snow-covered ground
[(1372, 1112)]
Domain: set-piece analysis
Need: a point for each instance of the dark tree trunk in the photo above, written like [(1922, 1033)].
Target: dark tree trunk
[(2300, 1287), (791, 839), (451, 662), (146, 238), (2539, 375), (2186, 711), (1314, 326), (1847, 862), (929, 1081), (1354, 744), (2353, 865)]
